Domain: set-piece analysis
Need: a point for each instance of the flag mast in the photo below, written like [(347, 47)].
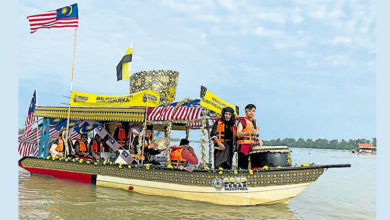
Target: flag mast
[(132, 47), (71, 87), (36, 104)]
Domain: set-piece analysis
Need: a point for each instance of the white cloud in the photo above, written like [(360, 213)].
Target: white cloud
[(183, 7), (208, 18), (273, 16), (341, 40), (265, 32), (319, 12), (228, 4)]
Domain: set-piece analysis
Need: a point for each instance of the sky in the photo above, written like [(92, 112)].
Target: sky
[(308, 66)]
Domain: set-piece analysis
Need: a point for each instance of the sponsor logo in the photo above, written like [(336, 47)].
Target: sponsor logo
[(80, 98), (217, 183), (145, 98), (152, 98), (230, 184)]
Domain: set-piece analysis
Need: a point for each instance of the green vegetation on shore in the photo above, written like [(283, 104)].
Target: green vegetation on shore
[(301, 143), (319, 143)]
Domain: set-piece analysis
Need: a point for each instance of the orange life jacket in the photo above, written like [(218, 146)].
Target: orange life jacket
[(221, 131), (121, 138), (60, 145), (83, 147), (133, 150), (176, 158), (95, 146), (251, 138)]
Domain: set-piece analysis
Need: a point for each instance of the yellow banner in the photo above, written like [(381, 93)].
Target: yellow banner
[(214, 103), (144, 98)]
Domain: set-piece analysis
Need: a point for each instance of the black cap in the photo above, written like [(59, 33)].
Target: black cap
[(149, 127), (184, 141)]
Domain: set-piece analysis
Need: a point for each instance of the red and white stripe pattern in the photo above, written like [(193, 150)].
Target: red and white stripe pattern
[(28, 124), (161, 113), (49, 20), (195, 124), (28, 145), (187, 113)]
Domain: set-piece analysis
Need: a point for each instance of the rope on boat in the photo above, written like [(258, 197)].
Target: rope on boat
[(211, 147), (141, 139), (202, 140)]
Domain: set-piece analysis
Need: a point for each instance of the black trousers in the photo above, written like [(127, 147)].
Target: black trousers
[(243, 160), (225, 165)]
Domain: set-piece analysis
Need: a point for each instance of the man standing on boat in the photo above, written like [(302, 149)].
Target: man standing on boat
[(223, 134), (247, 132), (149, 148)]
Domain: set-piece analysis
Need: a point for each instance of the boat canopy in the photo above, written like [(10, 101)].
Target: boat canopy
[(185, 114)]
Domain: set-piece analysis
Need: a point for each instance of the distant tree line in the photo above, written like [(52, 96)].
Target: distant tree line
[(302, 143), (319, 143)]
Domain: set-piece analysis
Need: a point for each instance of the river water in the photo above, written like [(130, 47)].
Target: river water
[(340, 193)]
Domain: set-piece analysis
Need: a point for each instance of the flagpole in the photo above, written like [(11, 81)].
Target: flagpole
[(132, 46), (36, 104), (71, 86)]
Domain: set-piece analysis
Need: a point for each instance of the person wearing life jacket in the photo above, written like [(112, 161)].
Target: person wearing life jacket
[(59, 148), (223, 134), (122, 135), (183, 154), (97, 146), (134, 131), (149, 148), (247, 132), (82, 147)]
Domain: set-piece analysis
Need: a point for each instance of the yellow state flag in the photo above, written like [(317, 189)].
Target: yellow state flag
[(123, 68)]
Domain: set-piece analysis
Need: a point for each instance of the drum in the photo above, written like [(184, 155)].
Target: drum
[(271, 156)]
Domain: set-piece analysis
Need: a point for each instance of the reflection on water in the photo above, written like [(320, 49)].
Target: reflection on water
[(46, 197), (339, 193)]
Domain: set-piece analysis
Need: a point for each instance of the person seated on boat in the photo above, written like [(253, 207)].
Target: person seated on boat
[(223, 134), (247, 136), (148, 147), (183, 154), (98, 146), (60, 148), (82, 147)]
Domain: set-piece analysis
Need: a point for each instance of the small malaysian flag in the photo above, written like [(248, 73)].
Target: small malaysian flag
[(126, 157), (60, 18), (30, 115)]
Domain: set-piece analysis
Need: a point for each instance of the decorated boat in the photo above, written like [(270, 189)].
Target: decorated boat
[(271, 178)]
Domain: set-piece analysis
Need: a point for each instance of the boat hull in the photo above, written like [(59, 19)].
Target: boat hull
[(252, 196), (223, 188)]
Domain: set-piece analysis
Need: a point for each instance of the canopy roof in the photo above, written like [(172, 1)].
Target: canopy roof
[(128, 114), (363, 145)]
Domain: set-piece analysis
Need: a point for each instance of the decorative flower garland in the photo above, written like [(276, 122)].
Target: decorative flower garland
[(202, 140), (211, 147), (141, 140), (168, 150), (169, 167)]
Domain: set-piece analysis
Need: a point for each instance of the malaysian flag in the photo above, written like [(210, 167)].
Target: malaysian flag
[(28, 145), (30, 115), (63, 17)]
